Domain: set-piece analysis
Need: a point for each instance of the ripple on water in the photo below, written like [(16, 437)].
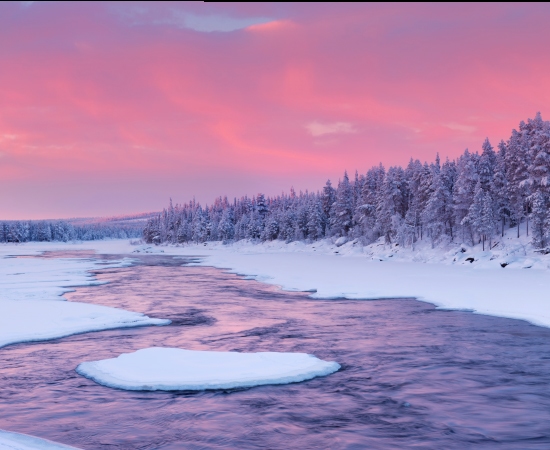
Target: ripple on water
[(412, 376)]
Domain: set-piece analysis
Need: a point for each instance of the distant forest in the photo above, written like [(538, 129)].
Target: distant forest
[(58, 230), (470, 199)]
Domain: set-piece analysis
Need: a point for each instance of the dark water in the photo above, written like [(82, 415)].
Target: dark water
[(412, 376)]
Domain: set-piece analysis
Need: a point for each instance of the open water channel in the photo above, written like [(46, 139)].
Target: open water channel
[(412, 376)]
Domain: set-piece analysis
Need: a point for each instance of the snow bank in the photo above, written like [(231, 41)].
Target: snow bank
[(510, 279), (177, 369), (17, 441), (31, 306), (40, 320), (47, 279), (506, 293)]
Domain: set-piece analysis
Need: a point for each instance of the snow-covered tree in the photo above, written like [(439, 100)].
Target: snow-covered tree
[(226, 225), (341, 212), (315, 220), (540, 220), (461, 199)]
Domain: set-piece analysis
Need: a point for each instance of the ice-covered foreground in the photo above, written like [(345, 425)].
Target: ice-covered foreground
[(173, 369), (16, 441), (31, 306)]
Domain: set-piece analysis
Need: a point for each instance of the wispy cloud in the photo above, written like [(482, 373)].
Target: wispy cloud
[(273, 25), (215, 22), (317, 129), (460, 127)]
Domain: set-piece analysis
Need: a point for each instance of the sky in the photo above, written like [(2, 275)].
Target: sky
[(113, 108)]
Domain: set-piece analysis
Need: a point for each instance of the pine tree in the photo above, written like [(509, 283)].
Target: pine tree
[(488, 219), (329, 197), (464, 189), (390, 206), (366, 210), (415, 206), (473, 218), (486, 165), (517, 162), (198, 226), (341, 212), (271, 230), (540, 223), (226, 226), (435, 213), (499, 187), (539, 169), (255, 225), (301, 228), (261, 206), (315, 221)]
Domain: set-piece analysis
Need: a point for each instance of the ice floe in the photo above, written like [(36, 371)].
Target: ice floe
[(178, 369), (17, 441)]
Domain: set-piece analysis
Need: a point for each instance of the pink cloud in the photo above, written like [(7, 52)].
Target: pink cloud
[(121, 107)]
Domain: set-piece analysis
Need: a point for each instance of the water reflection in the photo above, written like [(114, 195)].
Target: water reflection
[(412, 376)]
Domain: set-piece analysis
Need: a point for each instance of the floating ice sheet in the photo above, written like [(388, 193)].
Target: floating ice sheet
[(178, 369), (17, 441)]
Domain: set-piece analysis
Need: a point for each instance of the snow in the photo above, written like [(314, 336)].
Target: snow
[(17, 441), (510, 279), (167, 369), (31, 306), (442, 275), (39, 320), (500, 292)]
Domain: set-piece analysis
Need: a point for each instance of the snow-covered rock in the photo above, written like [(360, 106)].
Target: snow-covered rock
[(17, 441), (178, 369), (341, 241)]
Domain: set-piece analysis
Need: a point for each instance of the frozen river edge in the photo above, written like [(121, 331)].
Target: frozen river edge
[(329, 272), (32, 307)]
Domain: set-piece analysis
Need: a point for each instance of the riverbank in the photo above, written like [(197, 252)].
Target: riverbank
[(31, 304), (508, 280)]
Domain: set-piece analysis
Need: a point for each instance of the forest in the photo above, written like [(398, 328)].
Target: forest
[(470, 200), (18, 231)]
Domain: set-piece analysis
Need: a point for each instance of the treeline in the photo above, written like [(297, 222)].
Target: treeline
[(25, 231), (471, 199)]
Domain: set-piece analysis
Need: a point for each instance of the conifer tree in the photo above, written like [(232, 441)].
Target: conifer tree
[(540, 221), (499, 187), (341, 212)]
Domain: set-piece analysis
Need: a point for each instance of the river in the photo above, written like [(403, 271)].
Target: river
[(412, 376)]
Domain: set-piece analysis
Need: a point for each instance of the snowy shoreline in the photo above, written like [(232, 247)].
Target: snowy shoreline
[(31, 304), (510, 280)]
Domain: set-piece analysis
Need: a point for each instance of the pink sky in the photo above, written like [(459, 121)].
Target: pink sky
[(112, 108)]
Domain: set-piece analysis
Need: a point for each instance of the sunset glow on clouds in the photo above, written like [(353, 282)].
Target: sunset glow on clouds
[(113, 108)]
